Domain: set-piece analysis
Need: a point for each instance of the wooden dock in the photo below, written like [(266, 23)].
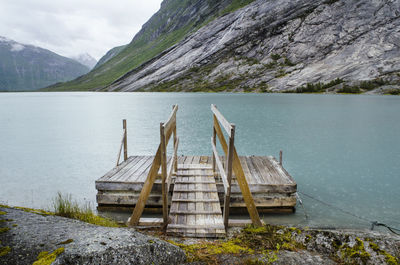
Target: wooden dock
[(196, 193)]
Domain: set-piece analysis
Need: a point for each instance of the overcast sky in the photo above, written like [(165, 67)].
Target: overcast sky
[(73, 27)]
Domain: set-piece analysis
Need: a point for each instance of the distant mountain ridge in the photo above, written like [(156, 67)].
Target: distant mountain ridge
[(26, 67), (175, 20), (338, 46), (86, 59)]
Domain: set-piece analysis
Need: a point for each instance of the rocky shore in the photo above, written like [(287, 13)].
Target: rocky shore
[(37, 237)]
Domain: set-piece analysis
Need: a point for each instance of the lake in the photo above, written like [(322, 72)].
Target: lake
[(343, 150)]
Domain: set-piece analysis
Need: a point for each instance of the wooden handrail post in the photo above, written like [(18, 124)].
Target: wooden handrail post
[(125, 140), (214, 139), (175, 139), (229, 166), (280, 157), (164, 175)]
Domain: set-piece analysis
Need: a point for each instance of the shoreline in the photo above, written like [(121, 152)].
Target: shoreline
[(29, 233)]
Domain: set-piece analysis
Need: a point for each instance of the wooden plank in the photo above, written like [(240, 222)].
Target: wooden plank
[(116, 169), (241, 179), (125, 139), (239, 222), (163, 145), (195, 200), (264, 171), (225, 124), (249, 177), (134, 174), (220, 166), (229, 163), (150, 221), (195, 181), (120, 148), (170, 124), (151, 177), (132, 167), (203, 160), (206, 226)]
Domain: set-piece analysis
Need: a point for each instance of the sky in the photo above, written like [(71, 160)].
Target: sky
[(73, 27)]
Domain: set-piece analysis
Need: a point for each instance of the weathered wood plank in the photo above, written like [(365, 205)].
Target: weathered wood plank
[(137, 212), (225, 124), (241, 179)]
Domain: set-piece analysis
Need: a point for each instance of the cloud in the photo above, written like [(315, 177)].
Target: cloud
[(72, 27)]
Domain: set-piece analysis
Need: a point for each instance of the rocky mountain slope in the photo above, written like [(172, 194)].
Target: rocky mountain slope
[(283, 45), (86, 59), (26, 67), (175, 20)]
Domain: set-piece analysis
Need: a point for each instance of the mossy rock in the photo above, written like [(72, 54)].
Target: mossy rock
[(44, 258)]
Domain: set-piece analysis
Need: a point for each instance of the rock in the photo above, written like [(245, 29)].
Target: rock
[(31, 234), (281, 45)]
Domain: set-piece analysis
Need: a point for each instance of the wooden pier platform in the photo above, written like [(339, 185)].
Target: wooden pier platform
[(273, 189), (196, 193)]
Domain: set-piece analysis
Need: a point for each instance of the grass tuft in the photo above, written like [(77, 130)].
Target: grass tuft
[(64, 206)]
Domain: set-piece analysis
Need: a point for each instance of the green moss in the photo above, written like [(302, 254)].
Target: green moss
[(4, 206), (14, 225), (2, 213), (68, 241), (391, 260), (35, 211), (44, 258), (4, 251), (4, 229), (207, 251), (308, 239), (351, 254)]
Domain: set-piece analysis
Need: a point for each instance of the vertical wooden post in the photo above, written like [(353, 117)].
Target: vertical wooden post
[(214, 137), (164, 175), (280, 157), (229, 166), (125, 140), (175, 139)]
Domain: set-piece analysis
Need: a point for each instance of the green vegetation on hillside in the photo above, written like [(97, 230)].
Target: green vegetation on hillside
[(167, 27)]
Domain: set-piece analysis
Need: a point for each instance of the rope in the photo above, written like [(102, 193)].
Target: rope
[(301, 203), (373, 223)]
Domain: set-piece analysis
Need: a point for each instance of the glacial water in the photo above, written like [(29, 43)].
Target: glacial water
[(341, 149)]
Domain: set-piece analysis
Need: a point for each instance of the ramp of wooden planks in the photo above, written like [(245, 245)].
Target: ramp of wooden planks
[(195, 207)]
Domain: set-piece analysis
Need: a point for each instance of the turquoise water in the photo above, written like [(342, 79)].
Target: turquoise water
[(341, 149)]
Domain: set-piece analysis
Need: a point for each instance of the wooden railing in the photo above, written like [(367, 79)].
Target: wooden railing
[(160, 160), (232, 164), (124, 143)]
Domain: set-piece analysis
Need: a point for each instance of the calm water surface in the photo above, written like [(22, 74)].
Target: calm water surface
[(341, 149)]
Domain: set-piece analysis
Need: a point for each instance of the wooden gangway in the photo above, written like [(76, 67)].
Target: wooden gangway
[(196, 193)]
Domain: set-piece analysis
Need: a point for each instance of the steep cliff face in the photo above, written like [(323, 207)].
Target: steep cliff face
[(175, 20), (282, 45), (26, 67)]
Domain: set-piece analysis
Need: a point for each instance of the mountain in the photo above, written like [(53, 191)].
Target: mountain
[(348, 46), (175, 20), (26, 67), (86, 60), (110, 54)]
